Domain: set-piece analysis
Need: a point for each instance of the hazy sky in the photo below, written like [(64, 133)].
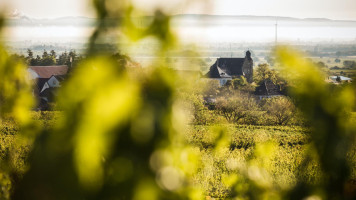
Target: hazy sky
[(333, 9)]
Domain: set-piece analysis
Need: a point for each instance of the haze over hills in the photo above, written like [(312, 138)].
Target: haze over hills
[(63, 21), (191, 28), (24, 20)]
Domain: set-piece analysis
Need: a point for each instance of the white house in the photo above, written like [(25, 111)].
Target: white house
[(338, 79)]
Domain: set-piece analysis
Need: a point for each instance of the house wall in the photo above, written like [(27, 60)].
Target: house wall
[(53, 82), (45, 86)]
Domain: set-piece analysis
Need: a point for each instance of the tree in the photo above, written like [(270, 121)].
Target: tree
[(29, 54), (63, 59), (349, 64), (335, 67), (338, 79), (200, 113), (30, 59), (18, 58), (263, 72), (45, 54), (236, 107), (124, 60), (48, 59), (73, 58), (281, 109), (321, 64), (53, 54), (37, 60), (239, 84), (70, 59), (208, 87)]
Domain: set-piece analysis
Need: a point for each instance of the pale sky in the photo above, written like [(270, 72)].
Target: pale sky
[(332, 9)]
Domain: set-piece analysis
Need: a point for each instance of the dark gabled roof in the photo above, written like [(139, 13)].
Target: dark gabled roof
[(233, 66), (48, 71), (40, 83), (48, 92), (226, 68), (213, 72), (268, 88)]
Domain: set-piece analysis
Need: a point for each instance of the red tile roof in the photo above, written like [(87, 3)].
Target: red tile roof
[(48, 71)]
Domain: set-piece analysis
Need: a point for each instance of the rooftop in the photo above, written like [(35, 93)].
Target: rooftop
[(48, 71)]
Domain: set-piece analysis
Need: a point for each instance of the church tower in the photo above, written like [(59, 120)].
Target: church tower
[(248, 67)]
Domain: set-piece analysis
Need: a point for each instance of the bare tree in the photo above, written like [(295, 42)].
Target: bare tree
[(236, 107), (281, 109)]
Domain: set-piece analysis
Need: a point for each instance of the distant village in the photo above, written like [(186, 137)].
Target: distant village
[(224, 71)]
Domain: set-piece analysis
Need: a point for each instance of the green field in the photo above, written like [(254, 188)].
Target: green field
[(281, 164), (330, 61), (351, 73), (284, 149)]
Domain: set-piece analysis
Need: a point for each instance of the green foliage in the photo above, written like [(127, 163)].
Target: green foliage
[(321, 65), (15, 88), (70, 59), (233, 171), (118, 136), (104, 153), (210, 88), (263, 72), (247, 136), (349, 64), (14, 150), (240, 84), (199, 112), (18, 58), (333, 132)]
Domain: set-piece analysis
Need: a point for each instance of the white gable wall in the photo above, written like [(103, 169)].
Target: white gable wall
[(45, 86), (53, 82)]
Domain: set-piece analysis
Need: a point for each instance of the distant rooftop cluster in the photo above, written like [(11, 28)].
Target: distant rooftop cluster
[(47, 79)]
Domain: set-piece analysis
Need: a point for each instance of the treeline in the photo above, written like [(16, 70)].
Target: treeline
[(70, 58)]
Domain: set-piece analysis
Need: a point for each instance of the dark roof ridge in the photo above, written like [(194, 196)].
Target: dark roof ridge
[(231, 58), (48, 66)]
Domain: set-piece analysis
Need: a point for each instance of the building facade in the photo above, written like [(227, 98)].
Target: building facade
[(225, 69)]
